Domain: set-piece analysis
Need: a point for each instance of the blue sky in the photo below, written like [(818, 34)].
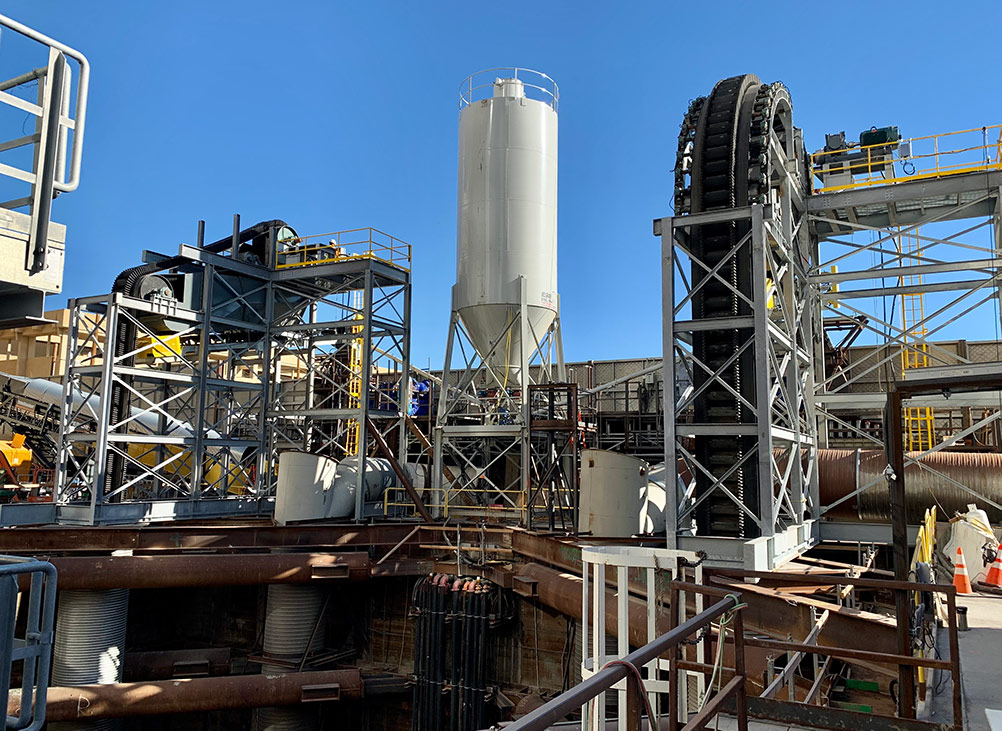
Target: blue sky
[(336, 115)]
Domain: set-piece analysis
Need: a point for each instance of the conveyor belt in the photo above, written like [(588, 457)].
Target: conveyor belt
[(724, 162)]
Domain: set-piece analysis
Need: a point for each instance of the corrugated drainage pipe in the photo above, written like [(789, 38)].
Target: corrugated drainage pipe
[(89, 645), (292, 616)]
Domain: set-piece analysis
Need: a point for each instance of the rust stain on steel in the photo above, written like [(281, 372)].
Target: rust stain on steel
[(178, 537), (227, 569), (120, 700)]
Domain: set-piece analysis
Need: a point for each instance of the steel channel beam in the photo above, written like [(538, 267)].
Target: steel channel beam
[(801, 715), (177, 537), (190, 695), (233, 569)]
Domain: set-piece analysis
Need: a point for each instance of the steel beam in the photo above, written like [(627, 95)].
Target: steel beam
[(190, 695), (234, 569)]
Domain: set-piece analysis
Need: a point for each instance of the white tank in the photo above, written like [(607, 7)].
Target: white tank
[(612, 492), (507, 219)]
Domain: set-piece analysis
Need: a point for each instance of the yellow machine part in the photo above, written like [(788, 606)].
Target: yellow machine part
[(160, 347), (212, 472), (14, 450)]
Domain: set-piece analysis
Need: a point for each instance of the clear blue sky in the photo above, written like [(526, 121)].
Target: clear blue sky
[(335, 115)]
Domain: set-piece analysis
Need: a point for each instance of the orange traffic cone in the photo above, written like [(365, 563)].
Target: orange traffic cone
[(994, 577), (961, 579)]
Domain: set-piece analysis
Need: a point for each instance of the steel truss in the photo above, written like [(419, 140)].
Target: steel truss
[(483, 455), (860, 232), (777, 428), (258, 370)]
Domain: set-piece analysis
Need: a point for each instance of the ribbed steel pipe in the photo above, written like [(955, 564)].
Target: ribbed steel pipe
[(293, 627), (89, 646), (841, 471)]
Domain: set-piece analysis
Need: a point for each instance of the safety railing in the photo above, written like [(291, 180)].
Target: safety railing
[(341, 246), (32, 649), (456, 502), (536, 84), (766, 707), (933, 156), (726, 610)]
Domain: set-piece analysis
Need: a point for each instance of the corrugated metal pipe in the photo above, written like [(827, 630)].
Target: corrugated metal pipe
[(89, 645), (841, 471), (293, 628)]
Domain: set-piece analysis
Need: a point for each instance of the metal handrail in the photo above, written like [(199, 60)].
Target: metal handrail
[(76, 124), (941, 161), (338, 246), (547, 87), (603, 680), (36, 649)]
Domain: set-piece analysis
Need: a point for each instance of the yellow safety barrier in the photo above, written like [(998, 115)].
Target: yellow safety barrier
[(925, 544), (339, 246), (932, 156)]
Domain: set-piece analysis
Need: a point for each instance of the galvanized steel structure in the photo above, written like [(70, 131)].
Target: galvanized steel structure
[(261, 367)]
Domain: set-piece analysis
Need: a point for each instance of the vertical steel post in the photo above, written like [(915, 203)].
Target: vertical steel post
[(899, 531), (363, 400), (668, 379), (763, 408), (525, 354)]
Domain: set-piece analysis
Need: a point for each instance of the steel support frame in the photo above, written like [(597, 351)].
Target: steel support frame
[(780, 333), (968, 275), (207, 424), (313, 409), (481, 441)]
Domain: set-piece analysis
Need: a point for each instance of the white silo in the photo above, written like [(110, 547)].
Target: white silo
[(507, 219)]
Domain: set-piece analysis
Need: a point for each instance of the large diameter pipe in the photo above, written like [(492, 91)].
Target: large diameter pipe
[(562, 591), (841, 471), (227, 569), (192, 695)]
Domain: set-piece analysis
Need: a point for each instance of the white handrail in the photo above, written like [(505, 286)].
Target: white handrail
[(81, 111)]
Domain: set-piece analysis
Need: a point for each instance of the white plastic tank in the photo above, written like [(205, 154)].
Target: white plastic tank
[(612, 489), (507, 218)]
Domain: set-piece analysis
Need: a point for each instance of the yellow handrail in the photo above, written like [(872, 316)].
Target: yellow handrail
[(337, 246), (931, 156)]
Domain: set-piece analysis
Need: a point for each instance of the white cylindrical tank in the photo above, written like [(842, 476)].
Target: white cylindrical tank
[(612, 489), (507, 218)]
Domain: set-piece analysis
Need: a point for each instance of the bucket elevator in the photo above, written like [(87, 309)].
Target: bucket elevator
[(771, 253), (736, 260)]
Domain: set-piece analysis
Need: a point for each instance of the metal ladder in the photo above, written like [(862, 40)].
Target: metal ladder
[(919, 421)]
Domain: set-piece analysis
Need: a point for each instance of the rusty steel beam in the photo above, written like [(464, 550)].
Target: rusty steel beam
[(779, 614), (241, 534), (191, 695), (401, 475), (213, 569)]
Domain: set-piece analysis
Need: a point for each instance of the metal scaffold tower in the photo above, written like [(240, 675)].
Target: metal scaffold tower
[(185, 385), (738, 326), (484, 461), (913, 224)]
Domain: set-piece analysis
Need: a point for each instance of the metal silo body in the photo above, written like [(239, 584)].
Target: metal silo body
[(507, 225)]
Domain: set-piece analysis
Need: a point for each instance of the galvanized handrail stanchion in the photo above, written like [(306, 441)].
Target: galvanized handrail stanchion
[(34, 649)]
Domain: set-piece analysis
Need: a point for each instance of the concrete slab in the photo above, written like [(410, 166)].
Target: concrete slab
[(980, 665)]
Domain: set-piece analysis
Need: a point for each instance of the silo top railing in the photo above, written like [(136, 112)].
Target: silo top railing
[(537, 85)]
